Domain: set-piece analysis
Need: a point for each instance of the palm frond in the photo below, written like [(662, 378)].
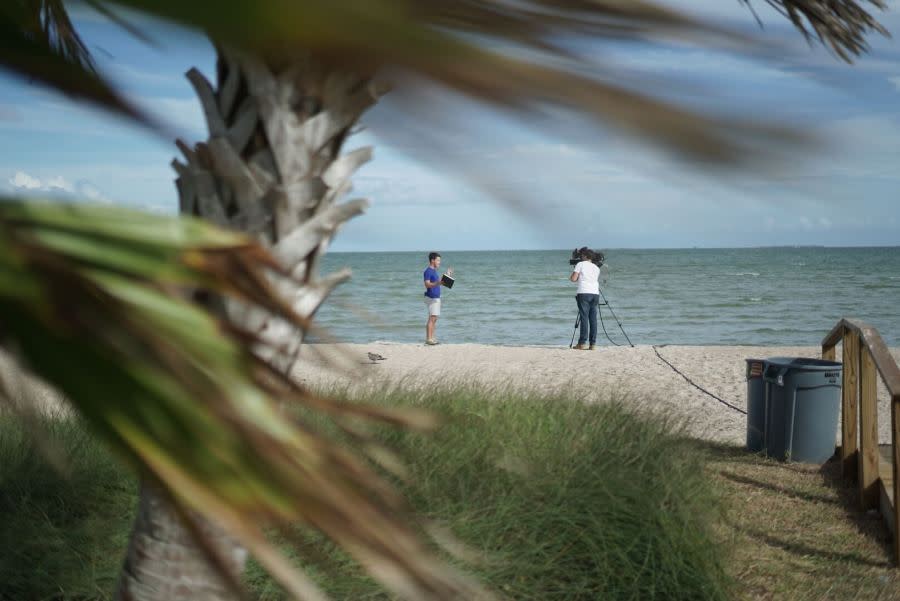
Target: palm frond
[(49, 23), (122, 22), (840, 26), (475, 48), (95, 301), (38, 42)]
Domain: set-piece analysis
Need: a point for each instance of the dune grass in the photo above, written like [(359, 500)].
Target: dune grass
[(63, 532), (552, 499), (558, 499)]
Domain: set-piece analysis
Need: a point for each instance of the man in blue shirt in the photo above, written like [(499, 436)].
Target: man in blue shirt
[(433, 295)]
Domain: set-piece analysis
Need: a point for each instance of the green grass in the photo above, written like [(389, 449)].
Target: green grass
[(557, 499), (562, 500), (64, 533)]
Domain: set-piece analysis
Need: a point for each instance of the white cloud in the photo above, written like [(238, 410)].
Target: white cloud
[(896, 81), (57, 187), (59, 183), (23, 181)]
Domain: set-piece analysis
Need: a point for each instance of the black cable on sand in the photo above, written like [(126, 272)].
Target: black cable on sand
[(701, 389)]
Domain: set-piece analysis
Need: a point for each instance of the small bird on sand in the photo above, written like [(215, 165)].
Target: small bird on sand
[(375, 358)]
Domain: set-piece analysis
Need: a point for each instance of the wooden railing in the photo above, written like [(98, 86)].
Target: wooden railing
[(864, 355)]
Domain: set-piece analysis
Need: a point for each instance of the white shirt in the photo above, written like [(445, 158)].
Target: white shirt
[(588, 278)]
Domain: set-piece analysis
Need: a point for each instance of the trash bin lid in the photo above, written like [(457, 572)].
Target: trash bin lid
[(805, 363), (781, 361)]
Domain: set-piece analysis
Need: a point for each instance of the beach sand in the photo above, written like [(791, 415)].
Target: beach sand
[(589, 375)]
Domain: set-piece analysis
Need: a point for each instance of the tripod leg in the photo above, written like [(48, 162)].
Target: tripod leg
[(616, 317), (577, 323)]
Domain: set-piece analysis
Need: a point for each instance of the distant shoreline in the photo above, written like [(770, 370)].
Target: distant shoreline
[(601, 345), (624, 248)]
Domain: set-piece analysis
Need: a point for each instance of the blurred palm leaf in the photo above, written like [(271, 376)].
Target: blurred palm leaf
[(504, 53), (94, 300), (48, 23), (38, 41), (840, 26)]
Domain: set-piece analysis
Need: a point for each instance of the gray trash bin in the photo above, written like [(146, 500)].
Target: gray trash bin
[(756, 409), (802, 401)]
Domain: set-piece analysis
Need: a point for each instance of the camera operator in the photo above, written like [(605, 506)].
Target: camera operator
[(587, 275)]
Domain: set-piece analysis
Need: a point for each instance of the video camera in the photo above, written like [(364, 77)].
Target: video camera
[(596, 257)]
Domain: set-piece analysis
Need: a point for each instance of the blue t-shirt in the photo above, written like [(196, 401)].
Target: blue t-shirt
[(431, 275)]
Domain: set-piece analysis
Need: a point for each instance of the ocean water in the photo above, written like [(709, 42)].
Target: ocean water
[(748, 296)]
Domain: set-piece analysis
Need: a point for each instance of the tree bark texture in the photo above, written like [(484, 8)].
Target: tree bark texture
[(165, 562), (272, 167)]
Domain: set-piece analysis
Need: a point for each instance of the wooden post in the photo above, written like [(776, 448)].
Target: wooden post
[(849, 404), (895, 438), (868, 433), (829, 353)]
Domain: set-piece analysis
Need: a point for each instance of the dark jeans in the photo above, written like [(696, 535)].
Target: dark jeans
[(587, 310)]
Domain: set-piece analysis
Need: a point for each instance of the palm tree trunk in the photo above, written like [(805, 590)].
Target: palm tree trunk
[(164, 560), (272, 167)]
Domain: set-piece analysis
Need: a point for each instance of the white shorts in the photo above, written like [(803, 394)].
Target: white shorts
[(433, 305)]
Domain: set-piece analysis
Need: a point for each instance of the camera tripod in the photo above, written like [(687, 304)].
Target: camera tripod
[(606, 304)]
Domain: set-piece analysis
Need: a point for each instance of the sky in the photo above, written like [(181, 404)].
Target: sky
[(554, 184)]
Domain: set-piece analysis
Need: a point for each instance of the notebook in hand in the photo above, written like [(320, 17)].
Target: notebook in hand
[(447, 281)]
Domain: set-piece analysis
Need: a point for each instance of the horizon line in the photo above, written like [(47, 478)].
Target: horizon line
[(756, 247)]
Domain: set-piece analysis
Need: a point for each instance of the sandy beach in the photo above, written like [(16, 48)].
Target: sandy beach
[(590, 375)]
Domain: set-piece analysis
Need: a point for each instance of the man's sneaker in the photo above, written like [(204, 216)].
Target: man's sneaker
[(592, 348), (580, 347), (431, 342)]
